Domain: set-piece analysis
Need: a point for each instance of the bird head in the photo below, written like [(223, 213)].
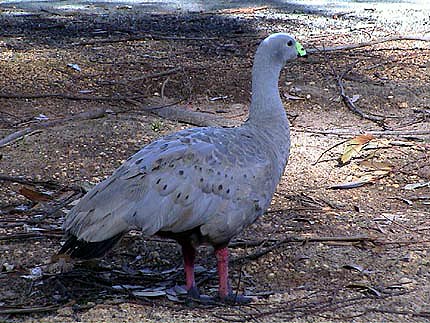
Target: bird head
[(282, 47)]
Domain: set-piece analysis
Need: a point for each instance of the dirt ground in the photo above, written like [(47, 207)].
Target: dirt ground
[(358, 254)]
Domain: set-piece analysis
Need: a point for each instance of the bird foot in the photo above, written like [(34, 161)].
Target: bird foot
[(236, 299), (195, 296)]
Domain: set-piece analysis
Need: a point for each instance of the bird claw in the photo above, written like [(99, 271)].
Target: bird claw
[(235, 299), (195, 296)]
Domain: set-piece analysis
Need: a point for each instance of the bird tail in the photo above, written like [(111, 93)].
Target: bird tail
[(81, 249)]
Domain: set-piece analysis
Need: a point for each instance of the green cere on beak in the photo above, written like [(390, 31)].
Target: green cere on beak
[(300, 50)]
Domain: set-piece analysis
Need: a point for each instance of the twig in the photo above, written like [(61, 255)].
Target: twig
[(32, 235), (25, 181), (15, 136), (327, 150), (369, 43), (147, 76), (27, 310), (66, 96), (173, 112), (154, 75), (265, 251), (346, 99), (141, 38), (346, 132), (246, 10), (352, 106), (407, 313), (163, 87)]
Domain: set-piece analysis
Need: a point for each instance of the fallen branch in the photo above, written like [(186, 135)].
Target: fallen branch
[(15, 136), (346, 132), (65, 96), (350, 104), (32, 182), (176, 113), (369, 43), (346, 99), (27, 310), (141, 38), (399, 312), (258, 254), (32, 235), (144, 77), (29, 130), (246, 10)]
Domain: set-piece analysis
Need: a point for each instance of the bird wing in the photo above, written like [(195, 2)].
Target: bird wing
[(174, 184)]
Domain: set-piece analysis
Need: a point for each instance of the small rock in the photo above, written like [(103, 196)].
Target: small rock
[(8, 267)]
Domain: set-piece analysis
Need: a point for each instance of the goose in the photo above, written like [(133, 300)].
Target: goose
[(196, 186)]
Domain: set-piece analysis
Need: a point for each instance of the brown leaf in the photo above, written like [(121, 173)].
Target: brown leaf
[(370, 164), (33, 195), (354, 146)]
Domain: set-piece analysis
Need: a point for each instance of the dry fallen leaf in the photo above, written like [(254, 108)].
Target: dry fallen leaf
[(354, 146), (34, 195), (370, 164), (363, 180)]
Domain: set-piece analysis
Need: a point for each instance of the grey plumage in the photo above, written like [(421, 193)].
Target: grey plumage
[(200, 185), (217, 179)]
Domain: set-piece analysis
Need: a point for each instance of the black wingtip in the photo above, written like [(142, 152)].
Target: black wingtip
[(80, 249)]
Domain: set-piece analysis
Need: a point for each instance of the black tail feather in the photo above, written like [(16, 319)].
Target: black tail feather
[(84, 250)]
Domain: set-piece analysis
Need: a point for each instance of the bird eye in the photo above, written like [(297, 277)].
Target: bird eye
[(290, 43)]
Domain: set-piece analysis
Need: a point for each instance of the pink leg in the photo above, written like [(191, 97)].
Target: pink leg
[(189, 254), (222, 258)]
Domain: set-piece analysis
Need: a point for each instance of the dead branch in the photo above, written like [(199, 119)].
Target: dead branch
[(147, 76), (398, 312), (177, 113), (346, 132), (32, 235), (327, 150), (346, 99), (65, 96), (27, 310), (369, 43), (141, 38), (246, 10), (27, 131), (168, 111), (49, 184), (260, 253)]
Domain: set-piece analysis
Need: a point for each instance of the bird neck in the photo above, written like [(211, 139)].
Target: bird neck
[(266, 105)]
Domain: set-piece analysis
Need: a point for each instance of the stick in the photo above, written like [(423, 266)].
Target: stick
[(147, 76), (346, 132), (327, 150), (346, 99), (141, 38), (366, 44), (175, 113), (65, 96), (21, 180), (27, 310), (265, 251), (80, 116), (32, 235), (351, 104)]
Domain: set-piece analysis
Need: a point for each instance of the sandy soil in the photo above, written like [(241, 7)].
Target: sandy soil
[(318, 255)]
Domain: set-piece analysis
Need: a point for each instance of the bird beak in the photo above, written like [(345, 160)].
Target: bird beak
[(301, 52)]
